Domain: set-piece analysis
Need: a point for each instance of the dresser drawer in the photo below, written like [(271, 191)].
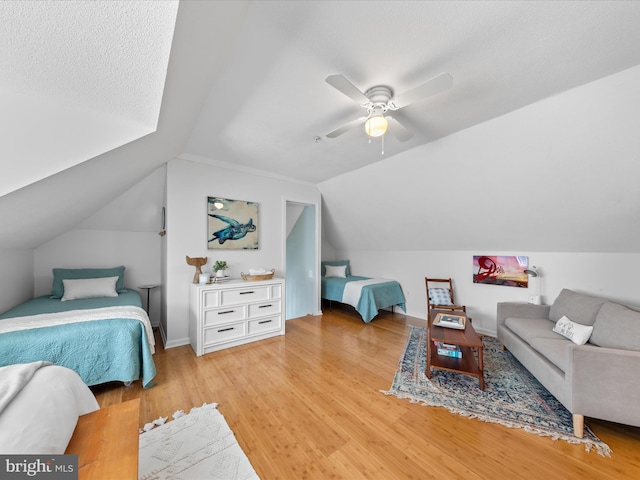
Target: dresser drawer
[(276, 291), (224, 332), (264, 325), (209, 299), (266, 308), (244, 295), (224, 315)]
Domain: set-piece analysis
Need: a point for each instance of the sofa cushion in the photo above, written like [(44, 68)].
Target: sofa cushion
[(529, 328), (616, 326), (578, 307), (553, 349)]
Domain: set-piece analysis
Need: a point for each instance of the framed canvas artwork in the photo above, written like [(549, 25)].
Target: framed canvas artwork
[(501, 270), (231, 224)]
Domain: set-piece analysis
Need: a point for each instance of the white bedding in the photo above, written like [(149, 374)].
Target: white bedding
[(352, 290), (76, 316), (43, 410)]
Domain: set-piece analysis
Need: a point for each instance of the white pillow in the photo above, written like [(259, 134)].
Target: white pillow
[(89, 288), (336, 271), (576, 332)]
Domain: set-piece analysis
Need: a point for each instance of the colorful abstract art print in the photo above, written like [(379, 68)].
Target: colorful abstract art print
[(232, 224), (507, 271)]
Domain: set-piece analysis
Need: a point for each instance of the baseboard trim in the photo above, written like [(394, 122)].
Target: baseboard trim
[(163, 335), (176, 343), (488, 333)]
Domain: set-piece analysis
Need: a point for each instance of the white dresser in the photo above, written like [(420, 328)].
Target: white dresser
[(223, 315)]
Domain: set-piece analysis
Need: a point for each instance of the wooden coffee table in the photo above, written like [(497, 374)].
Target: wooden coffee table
[(466, 339)]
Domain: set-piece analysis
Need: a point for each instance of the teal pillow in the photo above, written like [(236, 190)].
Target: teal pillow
[(335, 263), (59, 274)]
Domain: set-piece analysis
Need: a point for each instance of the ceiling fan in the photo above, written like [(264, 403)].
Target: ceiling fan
[(379, 100)]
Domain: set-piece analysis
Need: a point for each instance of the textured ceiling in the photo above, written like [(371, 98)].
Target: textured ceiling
[(272, 99), (83, 77), (100, 55), (42, 210)]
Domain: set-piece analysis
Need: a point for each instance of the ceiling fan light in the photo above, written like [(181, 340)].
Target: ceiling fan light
[(376, 126)]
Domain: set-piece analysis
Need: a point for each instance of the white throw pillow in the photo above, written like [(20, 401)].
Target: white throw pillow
[(576, 332), (89, 288), (336, 271)]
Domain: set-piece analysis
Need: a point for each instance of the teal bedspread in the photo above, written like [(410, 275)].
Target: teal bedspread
[(99, 351), (46, 304), (373, 297)]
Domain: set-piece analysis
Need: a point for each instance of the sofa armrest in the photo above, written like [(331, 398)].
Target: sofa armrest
[(604, 383), (521, 310)]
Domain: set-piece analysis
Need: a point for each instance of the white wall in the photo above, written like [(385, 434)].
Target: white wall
[(139, 252), (123, 232), (610, 275), (188, 186), (16, 278), (560, 175)]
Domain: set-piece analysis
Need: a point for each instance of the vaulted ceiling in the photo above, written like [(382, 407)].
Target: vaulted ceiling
[(272, 100), (101, 93)]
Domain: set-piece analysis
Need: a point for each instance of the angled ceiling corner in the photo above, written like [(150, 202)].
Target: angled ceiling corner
[(80, 78), (203, 39)]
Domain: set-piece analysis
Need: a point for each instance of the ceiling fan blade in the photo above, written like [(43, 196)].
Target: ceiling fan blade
[(398, 130), (345, 128), (345, 86), (437, 84)]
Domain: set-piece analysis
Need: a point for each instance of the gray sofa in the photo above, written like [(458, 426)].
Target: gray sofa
[(600, 379)]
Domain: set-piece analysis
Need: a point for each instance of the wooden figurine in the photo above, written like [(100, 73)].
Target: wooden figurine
[(197, 262)]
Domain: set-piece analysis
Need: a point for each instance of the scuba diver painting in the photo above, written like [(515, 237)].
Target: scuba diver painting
[(232, 224)]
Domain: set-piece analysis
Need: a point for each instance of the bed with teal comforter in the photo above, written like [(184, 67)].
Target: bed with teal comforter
[(366, 295), (102, 339)]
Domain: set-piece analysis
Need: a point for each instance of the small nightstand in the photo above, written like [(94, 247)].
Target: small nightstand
[(148, 288)]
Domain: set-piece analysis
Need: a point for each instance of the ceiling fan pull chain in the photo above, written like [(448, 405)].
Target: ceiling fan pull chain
[(382, 151)]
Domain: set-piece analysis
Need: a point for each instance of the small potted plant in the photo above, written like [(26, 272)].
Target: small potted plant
[(219, 268)]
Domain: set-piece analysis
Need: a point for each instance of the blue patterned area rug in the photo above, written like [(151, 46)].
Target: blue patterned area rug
[(512, 396)]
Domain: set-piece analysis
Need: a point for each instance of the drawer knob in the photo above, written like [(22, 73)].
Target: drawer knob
[(246, 293), (225, 312), (265, 306), (264, 321), (226, 329)]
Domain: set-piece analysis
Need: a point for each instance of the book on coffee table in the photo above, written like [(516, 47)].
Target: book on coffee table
[(448, 350), (449, 320)]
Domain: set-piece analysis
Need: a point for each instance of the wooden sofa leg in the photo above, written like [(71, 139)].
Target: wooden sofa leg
[(578, 425)]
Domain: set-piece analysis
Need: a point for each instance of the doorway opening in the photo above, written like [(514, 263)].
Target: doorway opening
[(301, 259)]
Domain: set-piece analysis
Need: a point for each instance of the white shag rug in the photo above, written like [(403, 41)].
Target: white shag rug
[(198, 445)]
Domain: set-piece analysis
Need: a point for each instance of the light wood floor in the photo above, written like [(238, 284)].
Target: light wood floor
[(308, 406)]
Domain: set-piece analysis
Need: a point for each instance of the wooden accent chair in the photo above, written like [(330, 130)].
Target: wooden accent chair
[(440, 295)]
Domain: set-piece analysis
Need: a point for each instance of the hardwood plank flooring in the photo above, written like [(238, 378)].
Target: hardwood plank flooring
[(307, 405)]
